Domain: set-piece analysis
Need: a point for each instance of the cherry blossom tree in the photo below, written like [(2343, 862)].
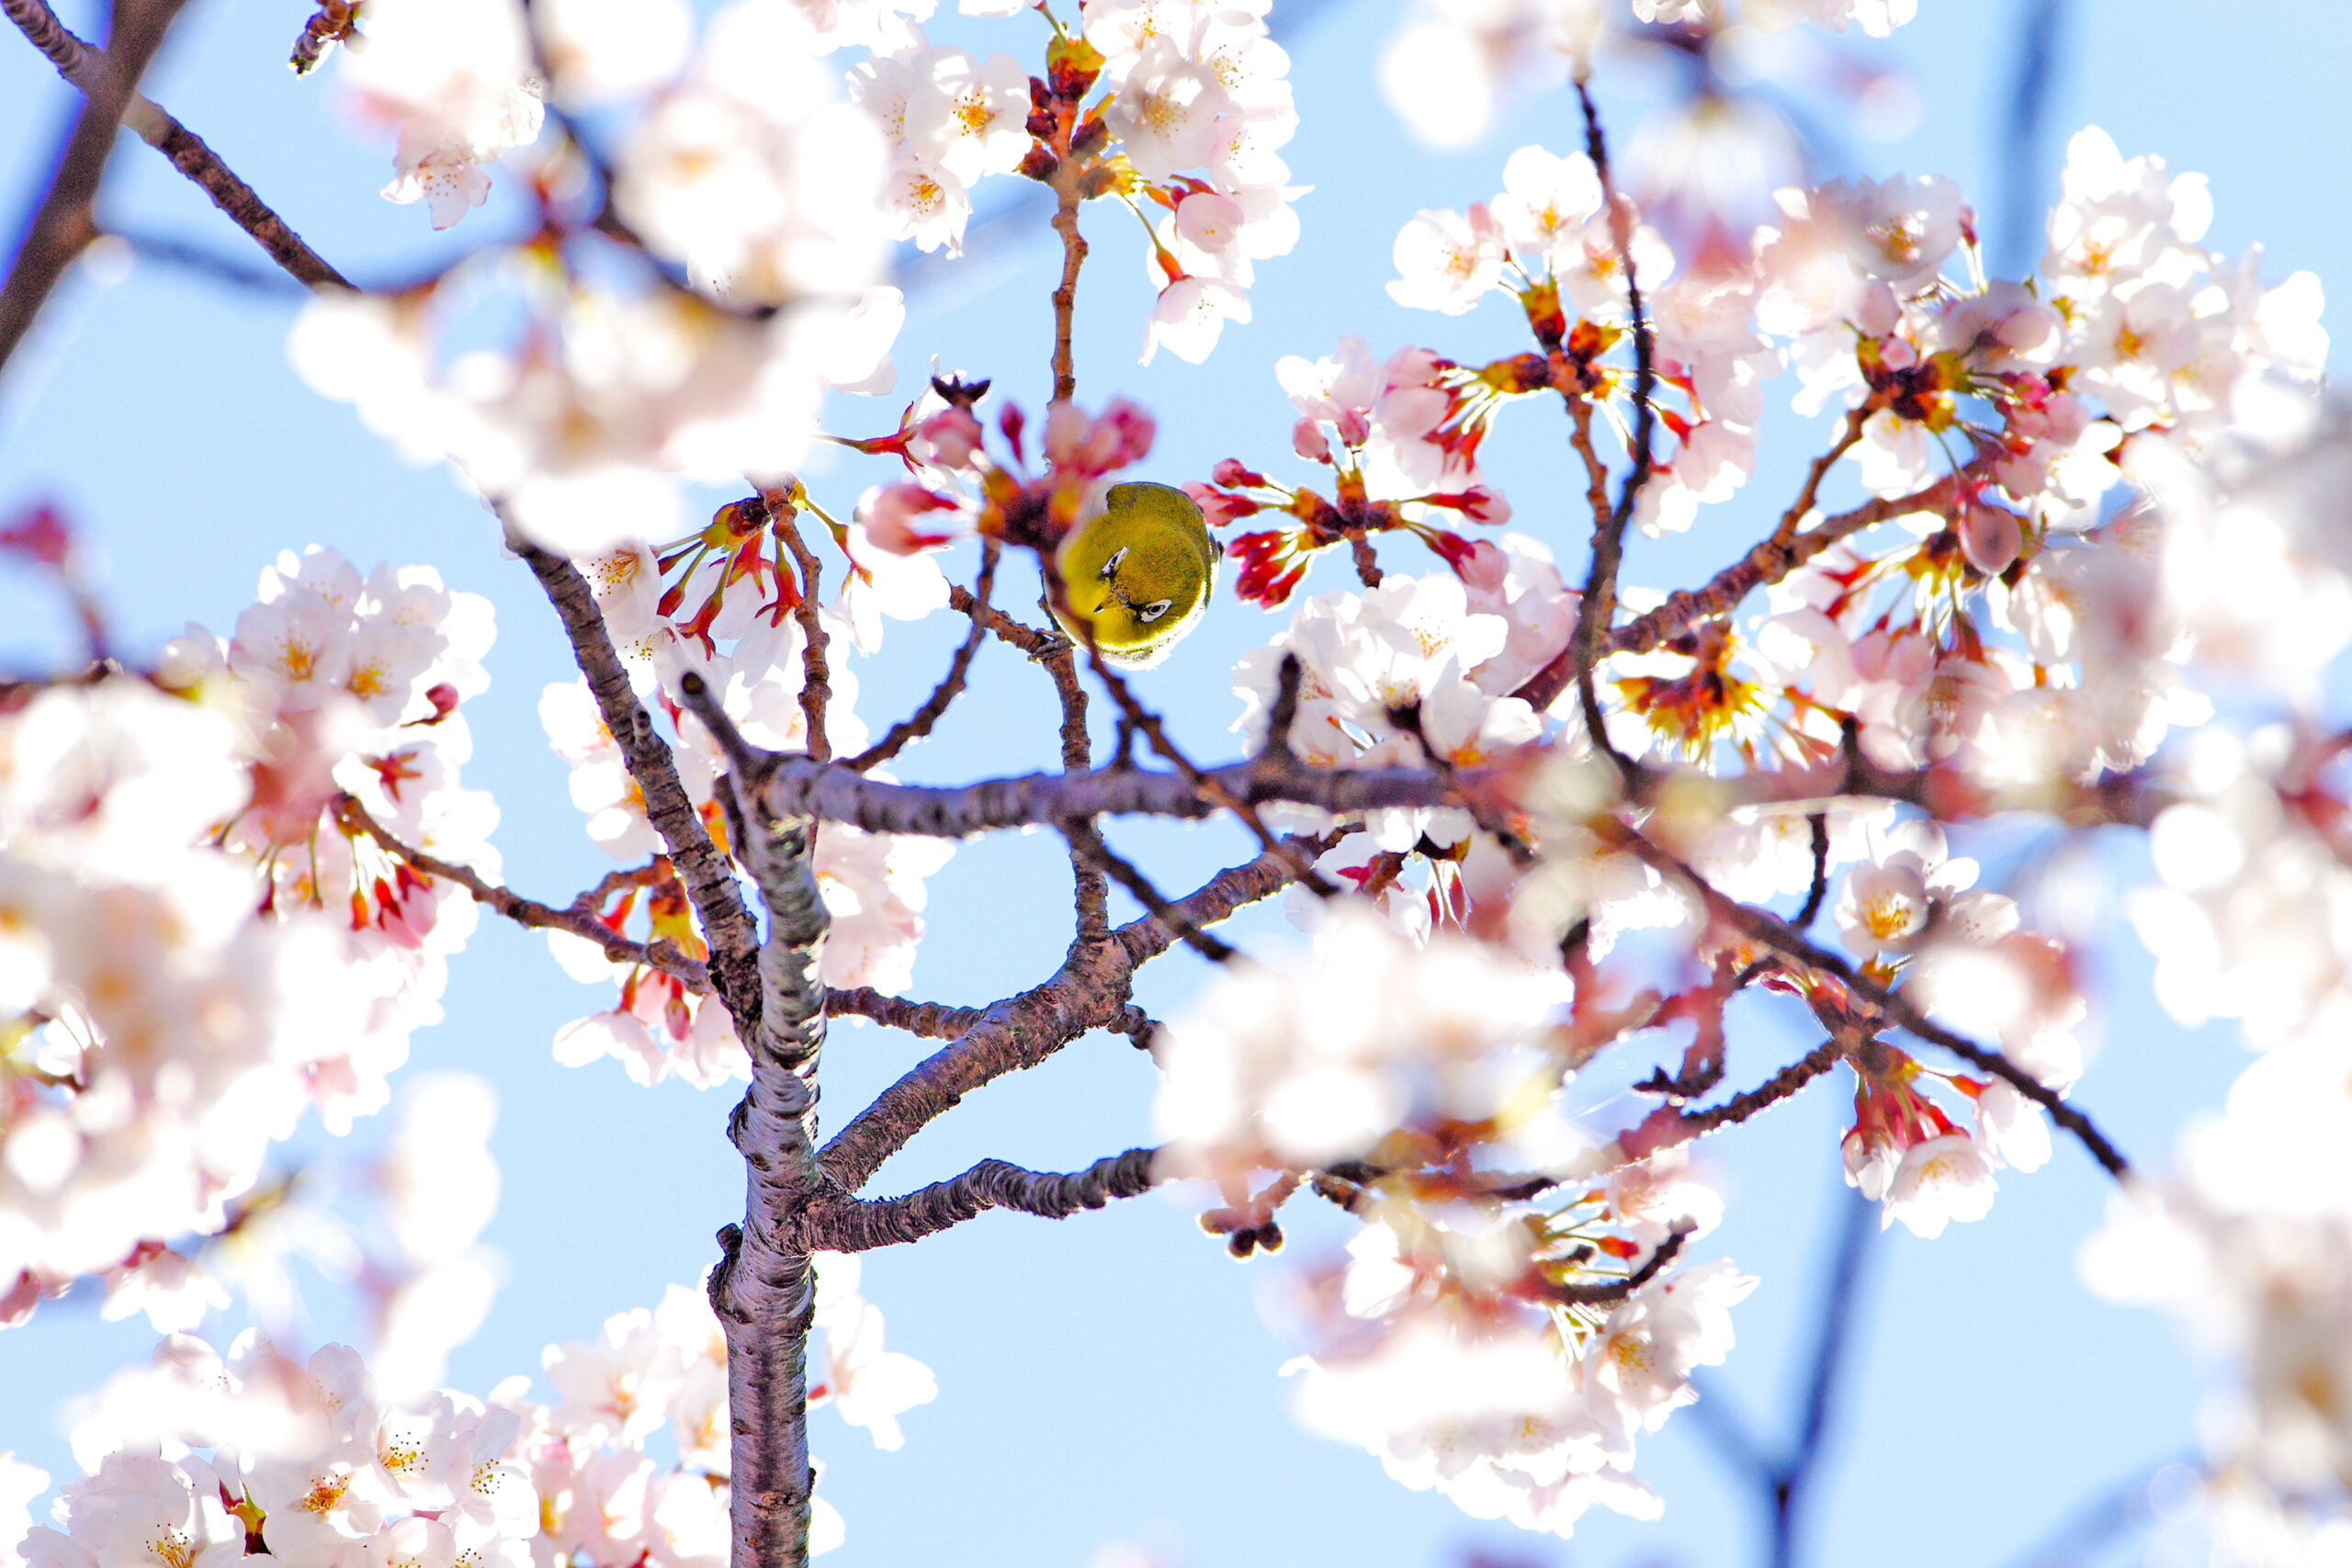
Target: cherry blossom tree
[(1532, 819)]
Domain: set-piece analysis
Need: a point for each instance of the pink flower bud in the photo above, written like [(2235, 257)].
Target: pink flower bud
[(891, 515), (1307, 439), (1990, 538), (949, 438)]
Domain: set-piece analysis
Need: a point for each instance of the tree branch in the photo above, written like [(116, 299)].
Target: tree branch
[(726, 921), (1086, 845), (1768, 929), (61, 226), (853, 1226), (928, 1021), (83, 65), (816, 674), (764, 1289), (1089, 991), (1597, 606), (1768, 562), (796, 786), (950, 687), (579, 920)]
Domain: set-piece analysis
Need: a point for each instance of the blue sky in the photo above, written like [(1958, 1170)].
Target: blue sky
[(1111, 1376)]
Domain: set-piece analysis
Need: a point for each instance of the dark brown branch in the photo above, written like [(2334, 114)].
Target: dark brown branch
[(1616, 1291), (1065, 365), (1089, 991), (80, 64), (61, 226), (710, 883), (1087, 844), (1768, 929), (1667, 1126), (852, 1225), (951, 686), (1212, 788), (1768, 562), (1819, 889), (796, 786), (816, 674), (1597, 606), (928, 1021), (1090, 894), (1028, 639), (579, 920)]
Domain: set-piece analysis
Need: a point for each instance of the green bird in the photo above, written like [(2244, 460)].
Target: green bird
[(1138, 575)]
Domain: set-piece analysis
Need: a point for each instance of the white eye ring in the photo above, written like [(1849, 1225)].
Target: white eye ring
[(1111, 566), (1153, 610)]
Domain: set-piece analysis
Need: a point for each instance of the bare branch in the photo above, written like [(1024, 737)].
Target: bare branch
[(796, 786), (1066, 197), (61, 226), (1028, 639), (1768, 562), (1597, 606), (1762, 926), (1089, 991), (816, 674), (1616, 1291), (726, 921), (1212, 789), (930, 1020), (579, 920), (951, 686), (852, 1225), (80, 64), (1087, 844)]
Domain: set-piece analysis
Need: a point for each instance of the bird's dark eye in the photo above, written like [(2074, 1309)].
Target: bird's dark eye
[(1111, 566), (1153, 610)]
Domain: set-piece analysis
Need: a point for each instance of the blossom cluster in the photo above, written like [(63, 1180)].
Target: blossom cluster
[(199, 941), (1452, 65), (316, 1462), (1471, 1354), (872, 883), (743, 169)]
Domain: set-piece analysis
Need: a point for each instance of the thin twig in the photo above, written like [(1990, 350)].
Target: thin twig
[(62, 227), (1598, 607), (1086, 843), (578, 921), (1819, 823), (1212, 788), (816, 674), (1089, 991), (1766, 563), (725, 921), (1037, 645), (1786, 529), (1770, 931), (80, 64), (951, 686), (1066, 195), (1620, 1289)]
